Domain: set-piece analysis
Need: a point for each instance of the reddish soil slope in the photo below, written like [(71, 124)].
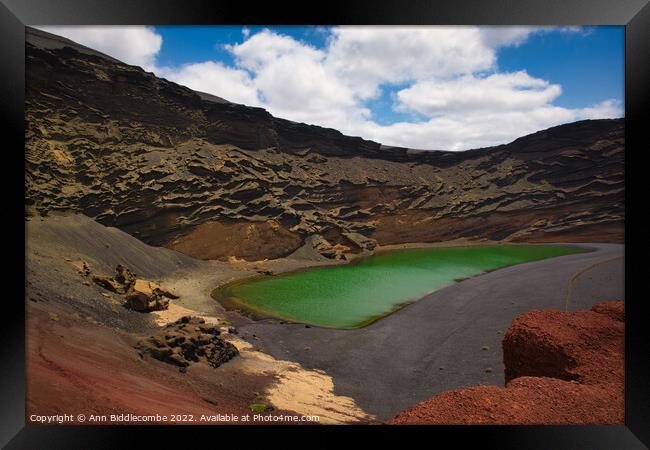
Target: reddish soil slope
[(77, 366), (561, 368)]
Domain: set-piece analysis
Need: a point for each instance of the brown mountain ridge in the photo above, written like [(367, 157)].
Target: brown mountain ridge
[(214, 179)]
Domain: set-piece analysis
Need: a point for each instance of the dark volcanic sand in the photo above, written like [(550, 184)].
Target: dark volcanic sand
[(436, 343)]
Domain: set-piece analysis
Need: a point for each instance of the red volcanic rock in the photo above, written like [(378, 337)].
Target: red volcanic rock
[(526, 400), (615, 310), (561, 368), (584, 345)]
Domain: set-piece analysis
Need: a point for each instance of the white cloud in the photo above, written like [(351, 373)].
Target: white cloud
[(212, 77), (465, 129), (136, 45), (447, 75), (603, 110), (504, 36), (502, 92), (444, 67), (364, 57), (294, 80), (266, 48)]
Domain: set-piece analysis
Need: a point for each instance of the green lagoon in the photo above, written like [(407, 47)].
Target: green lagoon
[(358, 293)]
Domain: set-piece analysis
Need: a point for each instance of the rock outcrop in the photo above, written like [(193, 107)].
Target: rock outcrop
[(139, 294), (145, 296), (585, 346), (560, 368), (106, 282), (215, 179), (186, 341), (124, 276)]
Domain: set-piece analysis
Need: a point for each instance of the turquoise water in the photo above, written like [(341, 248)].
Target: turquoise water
[(356, 294)]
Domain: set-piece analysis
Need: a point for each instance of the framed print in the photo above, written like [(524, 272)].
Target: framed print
[(387, 219)]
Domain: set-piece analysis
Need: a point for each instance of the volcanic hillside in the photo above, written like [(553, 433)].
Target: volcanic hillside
[(215, 179)]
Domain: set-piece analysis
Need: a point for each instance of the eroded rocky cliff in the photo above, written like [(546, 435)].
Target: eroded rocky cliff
[(215, 179)]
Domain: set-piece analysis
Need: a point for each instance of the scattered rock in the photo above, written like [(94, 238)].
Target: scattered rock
[(141, 295), (211, 401), (167, 292), (146, 286), (106, 282), (124, 276), (362, 241), (323, 246), (232, 330), (82, 267), (145, 296), (186, 341)]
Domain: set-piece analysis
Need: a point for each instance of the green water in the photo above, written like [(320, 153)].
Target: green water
[(356, 294)]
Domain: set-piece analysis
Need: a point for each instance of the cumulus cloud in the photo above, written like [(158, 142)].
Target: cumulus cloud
[(212, 77), (448, 76), (364, 57), (465, 129), (604, 110), (136, 45), (505, 36), (501, 92), (294, 80)]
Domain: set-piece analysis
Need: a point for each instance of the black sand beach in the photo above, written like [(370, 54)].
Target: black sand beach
[(438, 343)]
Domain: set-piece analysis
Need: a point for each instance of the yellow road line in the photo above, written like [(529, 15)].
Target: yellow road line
[(569, 285)]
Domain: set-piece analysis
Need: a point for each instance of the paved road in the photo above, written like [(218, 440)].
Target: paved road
[(435, 344)]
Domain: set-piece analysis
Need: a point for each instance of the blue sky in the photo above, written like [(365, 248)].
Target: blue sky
[(590, 65), (186, 44), (423, 87)]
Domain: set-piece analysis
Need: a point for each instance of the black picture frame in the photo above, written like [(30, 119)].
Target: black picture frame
[(15, 14)]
